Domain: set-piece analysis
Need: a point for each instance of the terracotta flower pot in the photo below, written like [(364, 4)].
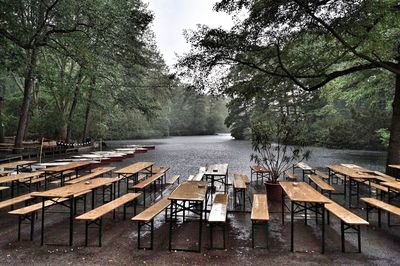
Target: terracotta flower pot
[(274, 191)]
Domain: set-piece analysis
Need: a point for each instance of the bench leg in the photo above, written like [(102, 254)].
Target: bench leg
[(19, 227), (342, 235), (359, 238), (32, 224), (100, 230), (86, 232)]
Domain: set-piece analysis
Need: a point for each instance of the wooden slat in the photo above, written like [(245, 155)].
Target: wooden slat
[(322, 175), (17, 163), (148, 181), (159, 169), (259, 211), (345, 215), (34, 207), (217, 169), (22, 177), (238, 181), (68, 191), (219, 209), (382, 205), (321, 183), (97, 172), (135, 168), (291, 176), (259, 169), (302, 192), (193, 190), (15, 200), (152, 211), (108, 207), (304, 166), (3, 188), (172, 179)]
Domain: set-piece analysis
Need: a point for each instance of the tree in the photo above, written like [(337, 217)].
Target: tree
[(309, 43)]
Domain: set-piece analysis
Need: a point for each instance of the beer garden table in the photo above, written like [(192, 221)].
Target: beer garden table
[(191, 192), (217, 173), (301, 195), (19, 165), (61, 169), (69, 192)]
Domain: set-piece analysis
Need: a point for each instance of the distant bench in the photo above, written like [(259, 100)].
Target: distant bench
[(373, 203)]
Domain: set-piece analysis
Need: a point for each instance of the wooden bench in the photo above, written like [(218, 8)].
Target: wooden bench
[(142, 185), (320, 184), (11, 202), (290, 176), (259, 171), (3, 188), (29, 212), (172, 180), (146, 218), (373, 203), (96, 173), (218, 216), (322, 175), (239, 190), (259, 215), (95, 216), (348, 221)]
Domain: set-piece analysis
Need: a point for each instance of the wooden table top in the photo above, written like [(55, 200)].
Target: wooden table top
[(391, 184), (259, 169), (10, 178), (17, 163), (66, 167), (395, 166), (68, 191), (302, 192), (134, 168), (340, 169), (217, 169), (303, 166), (192, 190)]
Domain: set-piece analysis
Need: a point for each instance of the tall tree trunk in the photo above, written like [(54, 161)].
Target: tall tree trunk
[(28, 88), (88, 107), (73, 105), (394, 142)]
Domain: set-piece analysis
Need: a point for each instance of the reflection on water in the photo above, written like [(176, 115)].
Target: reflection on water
[(184, 155)]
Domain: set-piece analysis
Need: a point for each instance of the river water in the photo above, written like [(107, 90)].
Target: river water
[(184, 155)]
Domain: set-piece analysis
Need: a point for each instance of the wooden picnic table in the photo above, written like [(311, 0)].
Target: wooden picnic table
[(132, 172), (217, 173), (69, 192), (195, 193), (303, 198), (351, 174), (19, 165), (61, 169), (258, 170), (16, 179)]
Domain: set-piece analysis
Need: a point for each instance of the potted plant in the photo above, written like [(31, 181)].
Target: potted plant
[(277, 144)]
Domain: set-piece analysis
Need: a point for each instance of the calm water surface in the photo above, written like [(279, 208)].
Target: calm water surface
[(184, 155)]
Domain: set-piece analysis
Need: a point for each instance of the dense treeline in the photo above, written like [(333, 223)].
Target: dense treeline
[(333, 67), (70, 70)]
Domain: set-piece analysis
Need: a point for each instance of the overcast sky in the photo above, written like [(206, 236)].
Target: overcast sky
[(173, 16)]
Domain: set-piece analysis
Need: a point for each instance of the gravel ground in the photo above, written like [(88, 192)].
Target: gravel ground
[(380, 246)]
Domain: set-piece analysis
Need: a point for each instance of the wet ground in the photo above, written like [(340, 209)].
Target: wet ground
[(380, 246)]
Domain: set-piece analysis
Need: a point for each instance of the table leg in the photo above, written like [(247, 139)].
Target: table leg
[(201, 224), (42, 227), (323, 229), (291, 226), (170, 224), (71, 221), (12, 188), (349, 190)]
